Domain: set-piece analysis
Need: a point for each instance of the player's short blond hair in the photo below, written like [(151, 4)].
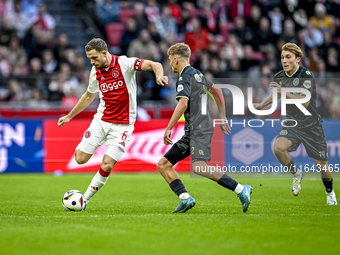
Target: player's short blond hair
[(180, 49), (292, 47), (96, 44)]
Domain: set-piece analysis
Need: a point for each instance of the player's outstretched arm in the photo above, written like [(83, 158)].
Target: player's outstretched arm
[(157, 68), (221, 111), (86, 99), (176, 115)]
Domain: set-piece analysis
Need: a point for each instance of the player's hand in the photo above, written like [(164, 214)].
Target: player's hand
[(257, 106), (225, 128), (166, 138), (275, 85), (63, 120), (162, 80)]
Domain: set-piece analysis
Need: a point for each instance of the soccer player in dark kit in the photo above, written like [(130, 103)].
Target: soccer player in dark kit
[(306, 129), (199, 129)]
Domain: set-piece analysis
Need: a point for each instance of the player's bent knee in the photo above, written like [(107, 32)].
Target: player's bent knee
[(81, 157), (163, 164), (278, 150)]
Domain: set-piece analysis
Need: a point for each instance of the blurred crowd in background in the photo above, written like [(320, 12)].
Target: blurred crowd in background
[(230, 39)]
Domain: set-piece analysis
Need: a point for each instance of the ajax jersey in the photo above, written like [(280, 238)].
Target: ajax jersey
[(117, 90)]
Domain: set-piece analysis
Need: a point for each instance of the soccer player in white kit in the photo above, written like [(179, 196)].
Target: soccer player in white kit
[(114, 78)]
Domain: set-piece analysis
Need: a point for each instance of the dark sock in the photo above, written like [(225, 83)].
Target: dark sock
[(292, 167), (328, 185), (178, 187), (227, 182)]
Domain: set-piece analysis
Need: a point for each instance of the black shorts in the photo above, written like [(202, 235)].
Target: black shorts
[(313, 139), (198, 147)]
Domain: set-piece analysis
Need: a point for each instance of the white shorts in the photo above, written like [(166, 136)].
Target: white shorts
[(116, 136)]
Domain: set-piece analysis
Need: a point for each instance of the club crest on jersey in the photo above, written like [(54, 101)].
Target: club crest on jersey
[(115, 74), (284, 132), (198, 77), (296, 82), (87, 134), (307, 84)]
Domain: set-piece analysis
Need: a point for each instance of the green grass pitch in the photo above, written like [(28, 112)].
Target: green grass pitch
[(132, 215)]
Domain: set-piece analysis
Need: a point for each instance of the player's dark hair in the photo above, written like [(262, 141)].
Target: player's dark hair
[(96, 44), (180, 49), (292, 47)]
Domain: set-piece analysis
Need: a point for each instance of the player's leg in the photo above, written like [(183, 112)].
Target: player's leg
[(114, 137), (326, 176), (281, 146), (101, 177), (243, 192), (165, 168)]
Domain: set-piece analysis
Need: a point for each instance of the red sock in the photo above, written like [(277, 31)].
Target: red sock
[(104, 173)]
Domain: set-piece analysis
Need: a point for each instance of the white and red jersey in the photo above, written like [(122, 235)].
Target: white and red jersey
[(117, 90)]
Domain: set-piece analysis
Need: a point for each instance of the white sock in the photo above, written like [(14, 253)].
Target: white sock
[(97, 182), (184, 195), (238, 188)]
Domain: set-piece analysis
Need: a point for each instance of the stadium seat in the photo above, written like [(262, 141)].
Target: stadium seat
[(125, 14), (114, 32)]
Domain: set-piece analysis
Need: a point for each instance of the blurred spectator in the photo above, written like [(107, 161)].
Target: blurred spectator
[(215, 68), (17, 57), (69, 100), (332, 62), (276, 18), (313, 36), (141, 46), (203, 61), (15, 94), (49, 63), (321, 20), (152, 11), (308, 6), (196, 36), (6, 8), (131, 33), (263, 34), (107, 11), (79, 65), (7, 31), (288, 7), (175, 10), (36, 100), (239, 8), (288, 33), (233, 48), (314, 59), (46, 22), (34, 42), (20, 21), (5, 67), (62, 45), (327, 43), (140, 16), (243, 32), (165, 23), (30, 7), (155, 36), (300, 18), (249, 60), (254, 19), (212, 15)]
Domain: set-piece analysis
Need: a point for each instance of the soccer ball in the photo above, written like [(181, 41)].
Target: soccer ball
[(73, 200)]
